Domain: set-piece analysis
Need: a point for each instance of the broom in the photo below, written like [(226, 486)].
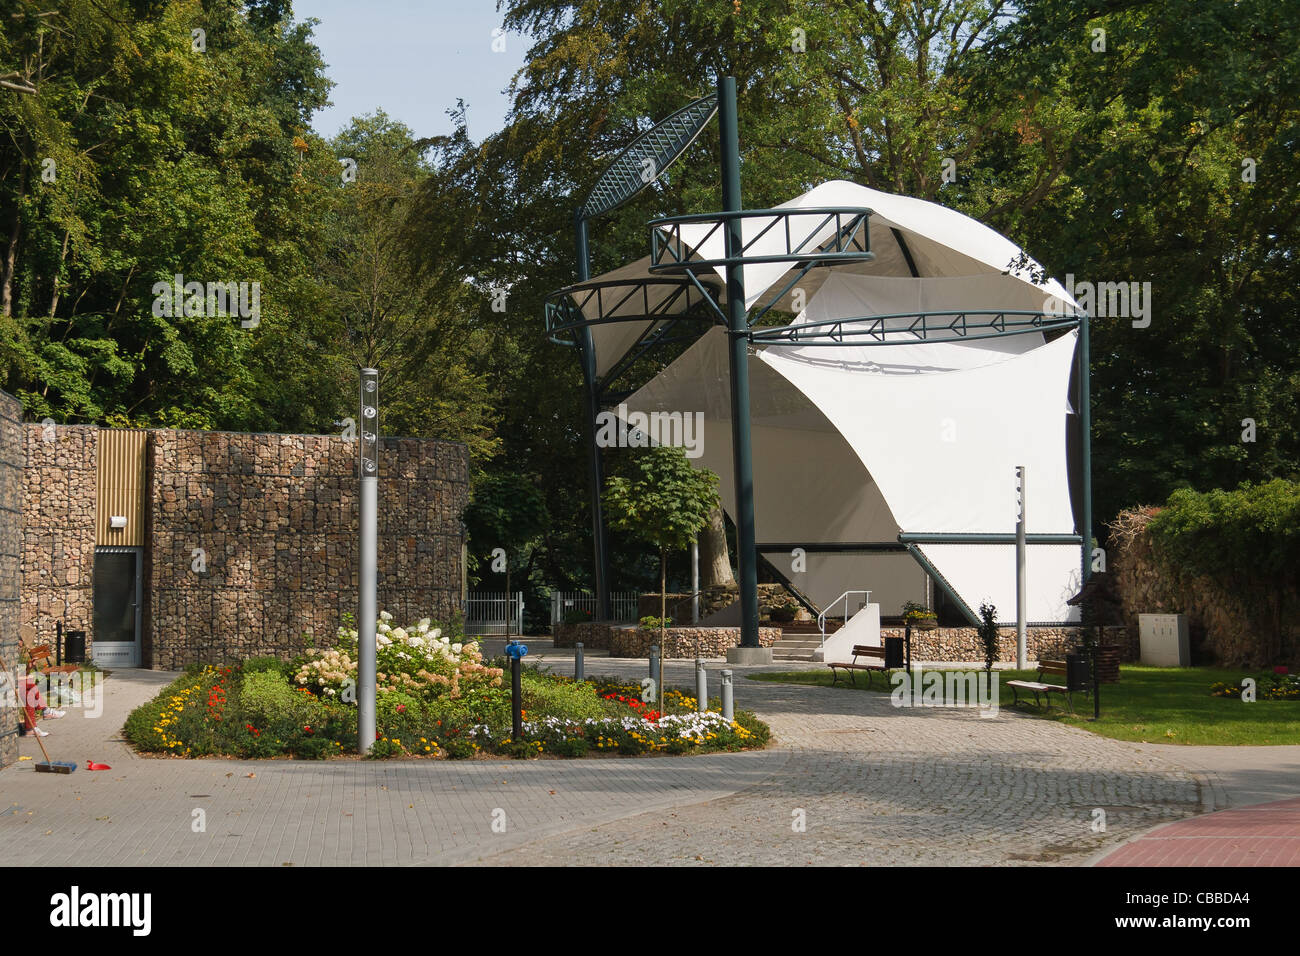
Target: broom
[(49, 766)]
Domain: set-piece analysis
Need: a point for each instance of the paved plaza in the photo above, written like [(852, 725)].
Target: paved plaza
[(849, 779)]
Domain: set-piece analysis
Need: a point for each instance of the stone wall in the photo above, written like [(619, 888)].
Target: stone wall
[(12, 457), (623, 640), (1226, 624), (964, 644), (711, 600), (276, 518), (58, 558)]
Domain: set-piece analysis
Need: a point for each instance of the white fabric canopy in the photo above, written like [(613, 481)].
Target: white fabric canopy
[(943, 244), (857, 444)]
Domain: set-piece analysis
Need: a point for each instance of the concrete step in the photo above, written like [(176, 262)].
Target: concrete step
[(791, 655), (799, 642)]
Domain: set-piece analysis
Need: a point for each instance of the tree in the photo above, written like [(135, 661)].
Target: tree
[(715, 562), (507, 512), (988, 633), (666, 504)]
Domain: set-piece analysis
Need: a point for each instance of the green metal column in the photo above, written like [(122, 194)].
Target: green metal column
[(591, 408), (738, 329), (1085, 448)]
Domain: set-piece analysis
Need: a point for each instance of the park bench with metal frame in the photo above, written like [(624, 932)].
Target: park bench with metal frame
[(1055, 668), (860, 650)]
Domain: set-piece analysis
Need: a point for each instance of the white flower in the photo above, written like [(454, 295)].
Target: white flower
[(455, 648), (423, 625), (385, 616), (436, 633)]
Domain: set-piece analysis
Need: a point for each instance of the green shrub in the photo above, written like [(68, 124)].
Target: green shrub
[(1246, 540), (543, 694), (267, 698), (1251, 532), (255, 665)]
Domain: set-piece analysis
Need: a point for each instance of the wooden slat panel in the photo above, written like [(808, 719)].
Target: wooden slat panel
[(120, 486)]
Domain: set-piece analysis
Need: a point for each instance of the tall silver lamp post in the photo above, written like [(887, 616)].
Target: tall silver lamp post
[(1022, 649), (368, 612)]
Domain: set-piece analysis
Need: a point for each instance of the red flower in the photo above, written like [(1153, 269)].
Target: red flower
[(401, 708), (1280, 670)]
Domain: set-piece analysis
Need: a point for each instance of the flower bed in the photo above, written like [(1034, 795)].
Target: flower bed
[(437, 698), (1279, 685)]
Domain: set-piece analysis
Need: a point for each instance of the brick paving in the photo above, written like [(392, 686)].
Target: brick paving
[(1265, 834), (870, 783)]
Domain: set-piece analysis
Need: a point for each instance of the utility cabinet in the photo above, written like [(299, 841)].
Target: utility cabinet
[(1164, 640)]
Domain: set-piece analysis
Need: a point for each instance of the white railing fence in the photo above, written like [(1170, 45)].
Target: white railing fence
[(486, 613), (821, 618), (622, 604)]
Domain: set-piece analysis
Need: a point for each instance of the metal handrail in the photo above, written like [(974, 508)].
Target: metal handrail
[(821, 618)]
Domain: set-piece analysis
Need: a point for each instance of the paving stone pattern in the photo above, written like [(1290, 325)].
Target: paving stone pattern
[(877, 786)]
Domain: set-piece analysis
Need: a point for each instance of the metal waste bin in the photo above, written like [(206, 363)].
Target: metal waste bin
[(74, 647), (1078, 671), (894, 652)]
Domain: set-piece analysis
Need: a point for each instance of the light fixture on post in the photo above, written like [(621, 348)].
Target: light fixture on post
[(367, 611)]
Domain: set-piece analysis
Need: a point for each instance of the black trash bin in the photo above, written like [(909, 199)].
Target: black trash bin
[(1078, 671), (894, 656), (74, 647)]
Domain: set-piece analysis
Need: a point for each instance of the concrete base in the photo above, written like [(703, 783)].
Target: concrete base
[(748, 656)]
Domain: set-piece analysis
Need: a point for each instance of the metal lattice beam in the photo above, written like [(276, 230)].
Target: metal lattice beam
[(963, 326), (642, 162)]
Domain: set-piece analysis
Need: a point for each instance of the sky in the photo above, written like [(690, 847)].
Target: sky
[(413, 59)]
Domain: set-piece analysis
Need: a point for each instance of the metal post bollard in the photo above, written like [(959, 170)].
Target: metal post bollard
[(579, 668), (516, 651), (728, 703), (701, 686), (656, 673)]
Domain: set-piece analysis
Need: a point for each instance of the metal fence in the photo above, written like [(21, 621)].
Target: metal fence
[(622, 604), (487, 612)]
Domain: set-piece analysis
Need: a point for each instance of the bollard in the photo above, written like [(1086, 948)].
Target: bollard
[(516, 651), (728, 704), (656, 673), (579, 671), (701, 686)]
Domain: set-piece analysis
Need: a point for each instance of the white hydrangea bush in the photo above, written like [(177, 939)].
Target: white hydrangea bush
[(417, 659)]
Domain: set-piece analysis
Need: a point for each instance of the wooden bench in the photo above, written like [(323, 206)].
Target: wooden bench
[(1056, 669), (875, 661), (38, 662)]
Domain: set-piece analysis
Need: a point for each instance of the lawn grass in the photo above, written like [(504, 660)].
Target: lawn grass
[(1167, 705)]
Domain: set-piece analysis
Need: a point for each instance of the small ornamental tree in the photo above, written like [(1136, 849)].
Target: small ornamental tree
[(666, 503), (507, 512), (988, 632)]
